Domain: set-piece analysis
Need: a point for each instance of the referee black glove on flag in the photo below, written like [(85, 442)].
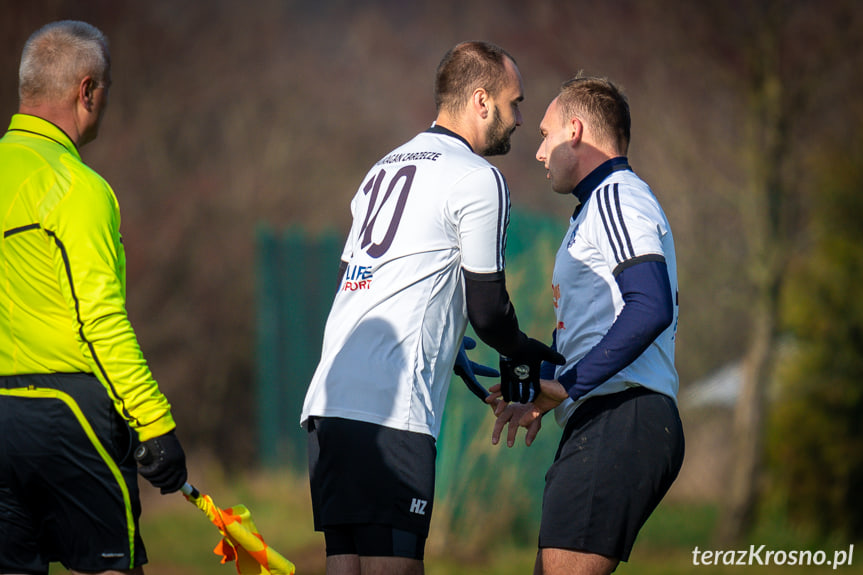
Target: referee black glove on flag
[(163, 462), (519, 374)]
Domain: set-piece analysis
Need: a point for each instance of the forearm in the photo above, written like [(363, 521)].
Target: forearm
[(647, 312), (491, 312), (110, 345)]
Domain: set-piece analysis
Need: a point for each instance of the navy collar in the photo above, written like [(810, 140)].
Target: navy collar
[(584, 188), (435, 129)]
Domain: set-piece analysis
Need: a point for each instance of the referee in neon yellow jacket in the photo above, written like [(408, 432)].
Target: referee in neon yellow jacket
[(76, 394)]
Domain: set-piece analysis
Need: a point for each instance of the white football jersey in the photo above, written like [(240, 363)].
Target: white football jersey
[(620, 223), (425, 211)]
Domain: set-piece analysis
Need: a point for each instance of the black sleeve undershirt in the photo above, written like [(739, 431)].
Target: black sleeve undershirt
[(491, 312)]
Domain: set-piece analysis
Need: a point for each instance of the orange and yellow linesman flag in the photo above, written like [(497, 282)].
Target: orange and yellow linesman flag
[(241, 541)]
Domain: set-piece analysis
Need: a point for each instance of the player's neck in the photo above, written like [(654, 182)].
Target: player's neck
[(591, 157), (59, 115), (454, 124)]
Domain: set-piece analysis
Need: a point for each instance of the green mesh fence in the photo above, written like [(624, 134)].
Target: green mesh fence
[(296, 282)]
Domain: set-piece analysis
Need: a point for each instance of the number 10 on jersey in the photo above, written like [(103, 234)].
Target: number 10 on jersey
[(401, 182)]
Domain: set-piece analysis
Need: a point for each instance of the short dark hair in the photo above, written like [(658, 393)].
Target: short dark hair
[(465, 68), (601, 104)]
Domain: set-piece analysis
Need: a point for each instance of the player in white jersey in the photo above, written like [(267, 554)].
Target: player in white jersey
[(425, 253), (614, 290), (424, 212)]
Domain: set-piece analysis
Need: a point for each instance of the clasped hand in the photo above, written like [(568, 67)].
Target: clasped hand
[(527, 415)]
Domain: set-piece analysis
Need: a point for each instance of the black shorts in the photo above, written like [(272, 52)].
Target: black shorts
[(366, 474), (68, 480), (618, 456), (370, 540)]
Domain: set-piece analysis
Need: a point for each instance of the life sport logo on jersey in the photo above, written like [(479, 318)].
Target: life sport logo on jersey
[(358, 278)]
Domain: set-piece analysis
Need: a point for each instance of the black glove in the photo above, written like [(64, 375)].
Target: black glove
[(519, 380), (468, 370), (163, 462)]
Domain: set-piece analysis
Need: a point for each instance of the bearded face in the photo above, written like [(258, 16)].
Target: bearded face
[(498, 135)]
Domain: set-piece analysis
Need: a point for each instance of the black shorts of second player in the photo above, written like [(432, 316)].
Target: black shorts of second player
[(68, 479), (363, 474), (370, 540), (618, 456)]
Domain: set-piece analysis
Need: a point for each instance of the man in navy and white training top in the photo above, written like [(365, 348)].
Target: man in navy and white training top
[(425, 253), (614, 291)]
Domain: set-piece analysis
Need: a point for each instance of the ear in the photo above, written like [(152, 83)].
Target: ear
[(576, 130), (480, 101), (86, 89)]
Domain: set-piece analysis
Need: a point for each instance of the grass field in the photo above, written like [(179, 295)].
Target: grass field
[(180, 539)]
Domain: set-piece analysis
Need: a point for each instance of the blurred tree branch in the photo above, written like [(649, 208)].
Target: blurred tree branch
[(781, 49)]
